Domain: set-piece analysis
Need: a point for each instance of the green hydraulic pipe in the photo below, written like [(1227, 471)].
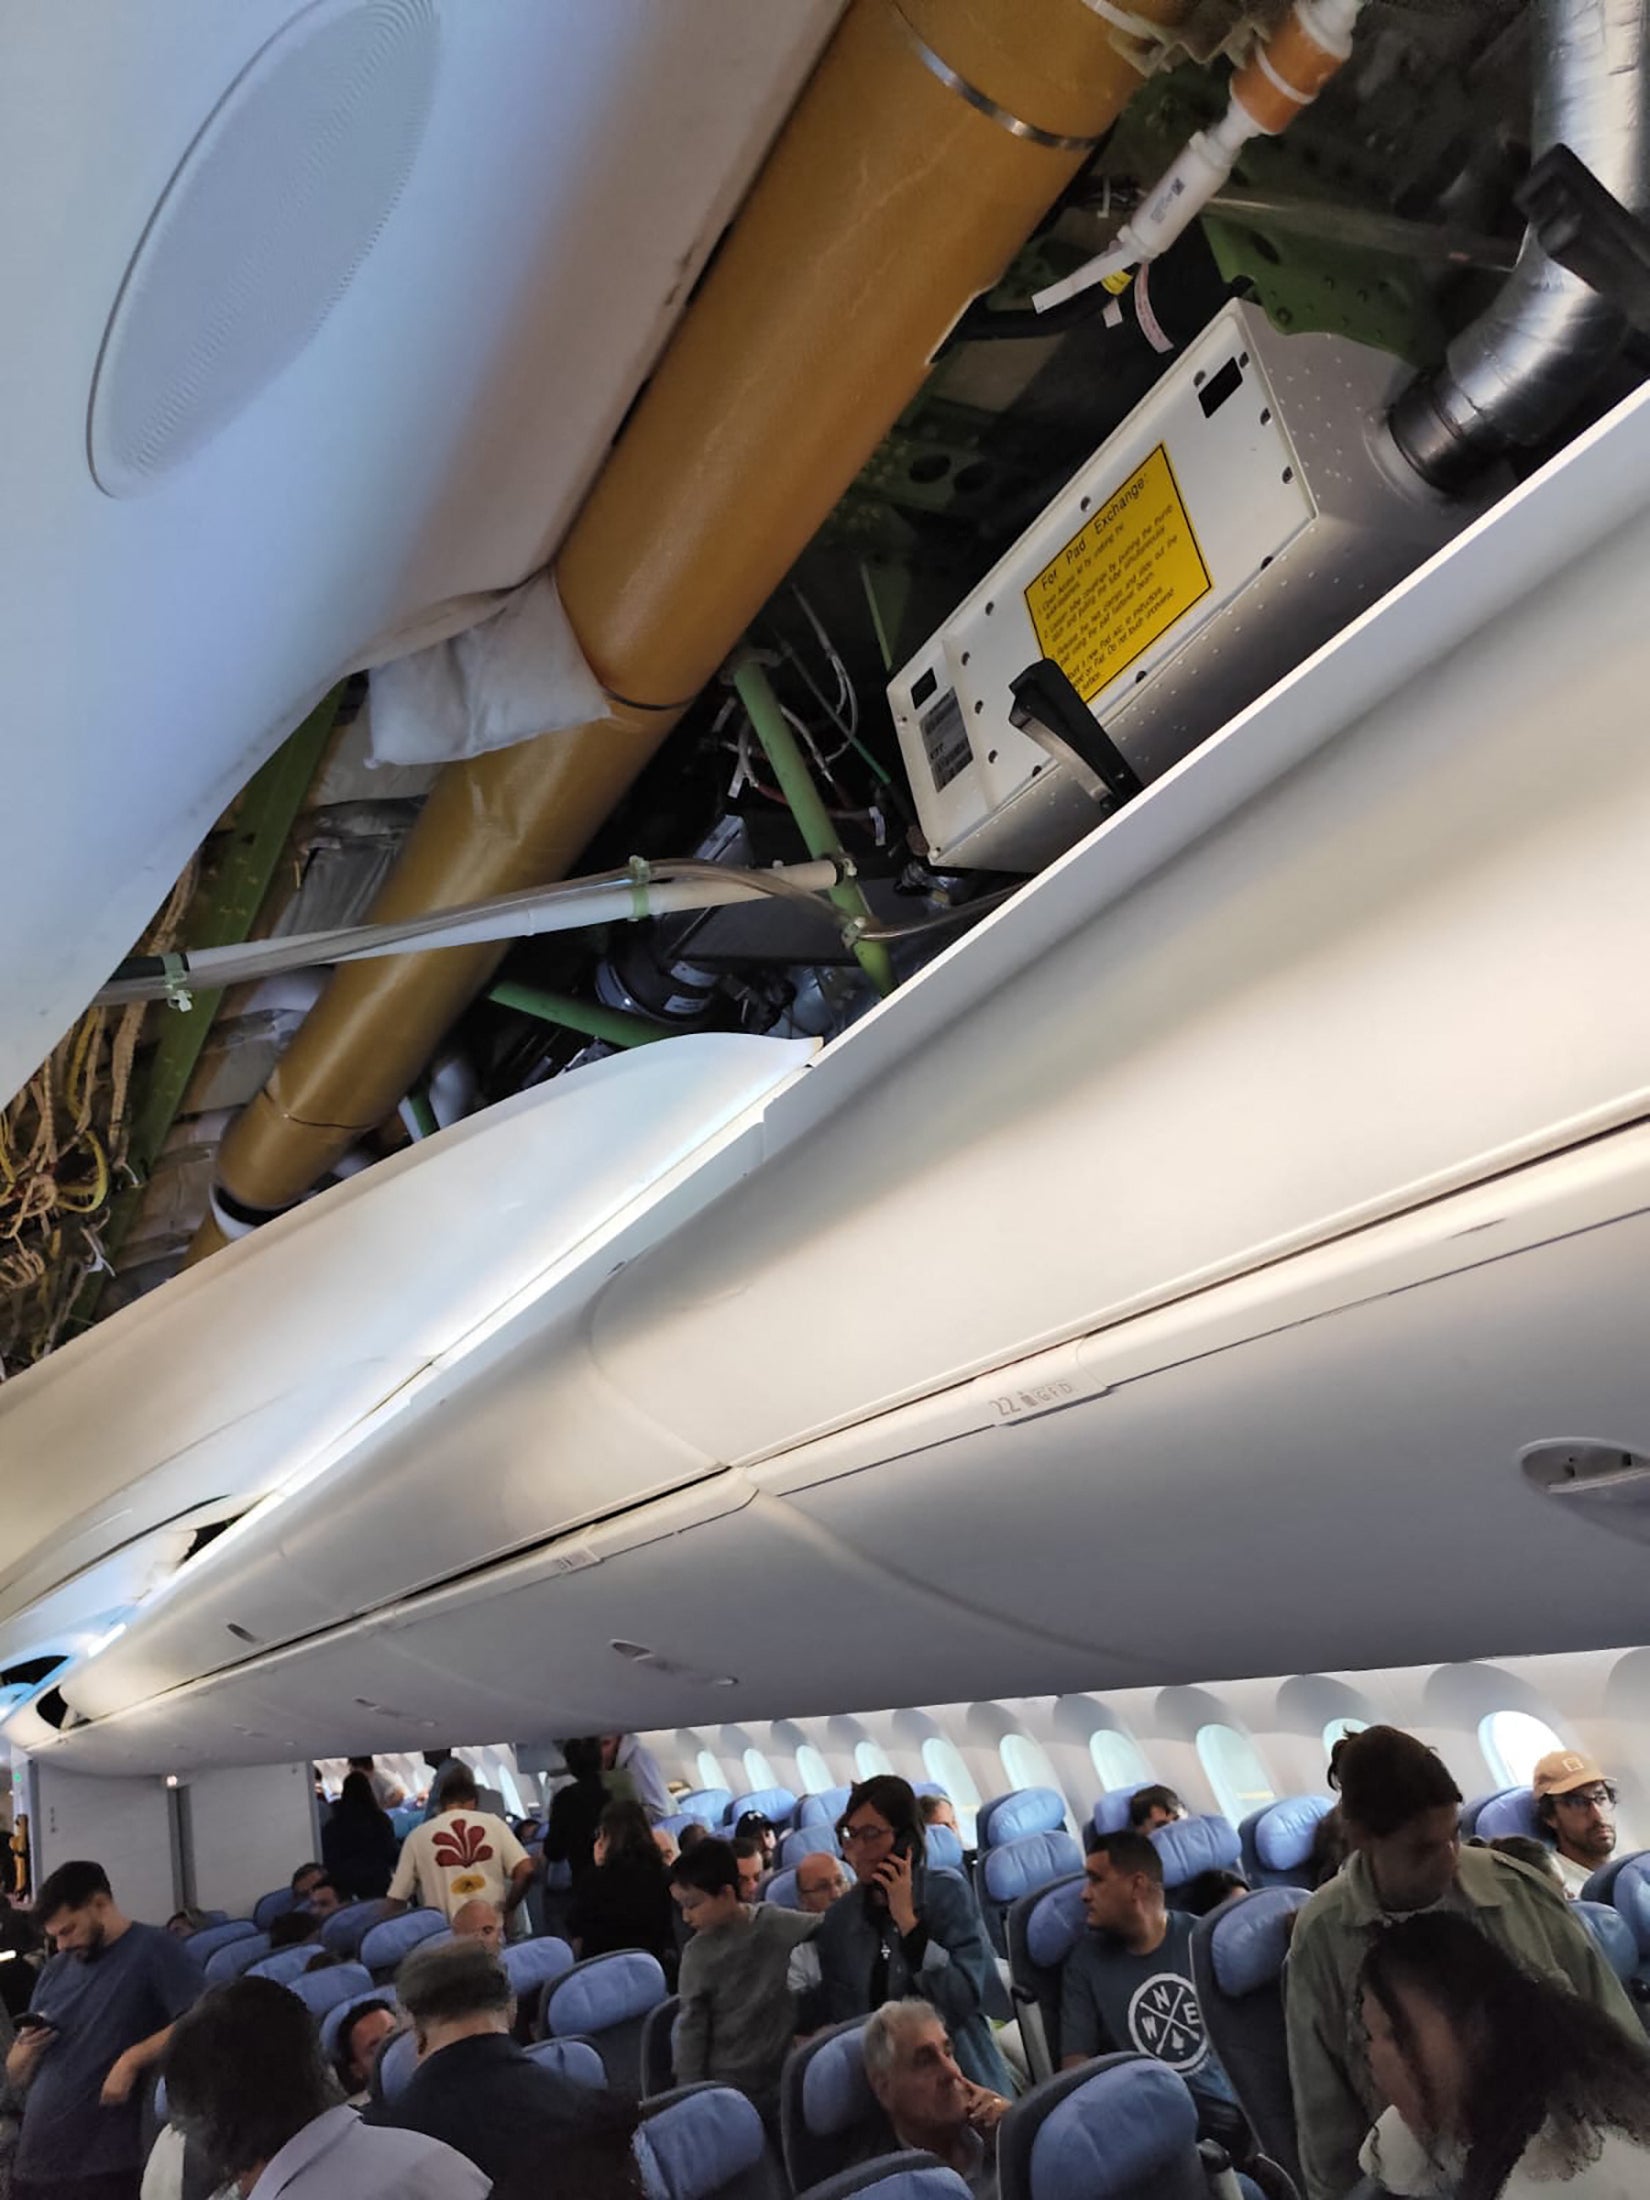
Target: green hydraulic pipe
[(424, 1116), (596, 1022), (813, 820)]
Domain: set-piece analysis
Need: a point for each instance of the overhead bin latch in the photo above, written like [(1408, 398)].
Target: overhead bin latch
[(1047, 709)]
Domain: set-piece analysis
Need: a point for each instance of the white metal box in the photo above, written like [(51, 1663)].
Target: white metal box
[(1239, 517)]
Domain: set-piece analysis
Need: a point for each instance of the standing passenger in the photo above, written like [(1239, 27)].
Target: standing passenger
[(576, 1810), (462, 1851), (1402, 1816), (738, 2014), (107, 2002), (623, 1901), (359, 1842), (624, 1758), (905, 1930)]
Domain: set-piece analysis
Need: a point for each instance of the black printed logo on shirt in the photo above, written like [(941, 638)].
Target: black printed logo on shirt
[(1166, 2022)]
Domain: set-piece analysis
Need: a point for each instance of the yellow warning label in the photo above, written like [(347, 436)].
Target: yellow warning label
[(1121, 581)]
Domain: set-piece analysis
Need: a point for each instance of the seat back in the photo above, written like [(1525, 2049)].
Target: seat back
[(269, 1907), (1005, 1874), (1237, 1967), (905, 2176), (234, 1957), (1602, 1886), (1513, 1812), (659, 2048), (944, 1848), (1631, 1895), (1276, 1843), (606, 2000), (808, 1841), (1111, 1813), (781, 1890), (1472, 1811), (392, 2072), (828, 2115), (1043, 1928), (823, 1809), (706, 2142), (206, 1943), (385, 1944), (1192, 1846), (777, 1805), (533, 1966), (1121, 2128), (575, 2060), (1021, 1811), (709, 1805), (1617, 1942), (678, 1823), (345, 1929), (285, 1964), (323, 1991)]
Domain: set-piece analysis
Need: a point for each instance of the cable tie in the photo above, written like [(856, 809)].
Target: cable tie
[(641, 877), (1157, 40), (175, 971)]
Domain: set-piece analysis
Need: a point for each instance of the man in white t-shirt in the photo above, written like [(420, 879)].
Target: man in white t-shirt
[(461, 1854)]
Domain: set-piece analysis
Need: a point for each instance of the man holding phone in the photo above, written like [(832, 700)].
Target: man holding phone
[(100, 2018)]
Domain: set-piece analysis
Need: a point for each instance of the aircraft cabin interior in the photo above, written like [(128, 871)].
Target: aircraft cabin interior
[(826, 943)]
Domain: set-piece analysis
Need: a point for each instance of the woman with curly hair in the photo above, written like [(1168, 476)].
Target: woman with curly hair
[(1502, 2086)]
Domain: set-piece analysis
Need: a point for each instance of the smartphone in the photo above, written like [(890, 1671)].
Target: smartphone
[(31, 2021)]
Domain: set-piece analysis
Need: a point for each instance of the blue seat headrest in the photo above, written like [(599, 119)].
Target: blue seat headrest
[(944, 1848), (1615, 1937), (1193, 1845), (269, 1907), (1632, 1899), (781, 1890), (1020, 1867), (777, 1805), (1111, 1813), (396, 1937), (338, 2015), (1283, 1835), (1026, 1810), (909, 2178), (1513, 1812), (695, 2146), (1251, 1939), (813, 1840), (575, 2060), (836, 2094), (823, 1809), (1055, 1926), (605, 1991), (397, 2060), (206, 1943), (1115, 2134), (533, 1963), (234, 1957), (678, 1823), (320, 1991), (708, 1805), (285, 1963)]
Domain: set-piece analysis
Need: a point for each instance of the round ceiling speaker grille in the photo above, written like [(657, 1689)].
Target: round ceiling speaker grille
[(260, 232)]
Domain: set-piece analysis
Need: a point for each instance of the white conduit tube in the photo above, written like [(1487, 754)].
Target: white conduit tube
[(1283, 76)]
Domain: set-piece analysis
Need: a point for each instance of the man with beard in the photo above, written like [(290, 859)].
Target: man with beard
[(99, 2019), (1576, 1805)]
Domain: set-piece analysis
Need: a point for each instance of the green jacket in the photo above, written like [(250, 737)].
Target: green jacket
[(1335, 2103)]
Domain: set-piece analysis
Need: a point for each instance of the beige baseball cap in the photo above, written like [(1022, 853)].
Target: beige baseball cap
[(1563, 1770)]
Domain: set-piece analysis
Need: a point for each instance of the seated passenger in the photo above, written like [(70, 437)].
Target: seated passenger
[(633, 1775), (1524, 1850), (360, 2036), (738, 2013), (462, 1851), (1402, 1813), (910, 2068), (623, 1901), (1498, 2083), (1152, 1807), (482, 1921), (480, 2093), (753, 1826), (292, 1928), (1577, 1806), (387, 1791), (182, 1923), (576, 1810), (1127, 1982), (752, 1871), (359, 1842), (245, 2081), (820, 1881), (938, 1810), (306, 1877), (903, 1930), (323, 1899), (691, 1835)]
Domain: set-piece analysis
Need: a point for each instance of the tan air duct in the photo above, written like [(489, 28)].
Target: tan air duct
[(929, 140)]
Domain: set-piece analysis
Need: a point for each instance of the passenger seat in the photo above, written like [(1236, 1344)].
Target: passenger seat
[(1277, 1842), (776, 1805), (606, 2000), (824, 1808), (387, 1943), (1238, 1954), (1019, 1868), (706, 2142), (893, 2177), (1042, 1930), (828, 2116), (1121, 2128), (1192, 1846)]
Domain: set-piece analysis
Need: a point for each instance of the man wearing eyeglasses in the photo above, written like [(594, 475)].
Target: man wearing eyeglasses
[(1576, 1805)]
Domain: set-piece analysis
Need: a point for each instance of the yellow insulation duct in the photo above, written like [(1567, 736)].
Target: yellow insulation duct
[(927, 143)]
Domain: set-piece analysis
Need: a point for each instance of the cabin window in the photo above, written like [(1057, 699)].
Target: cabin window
[(812, 1770), (1119, 1761), (710, 1772), (1513, 1742), (944, 1764), (870, 1758), (1026, 1763), (1232, 1766), (1338, 1729), (758, 1771)]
